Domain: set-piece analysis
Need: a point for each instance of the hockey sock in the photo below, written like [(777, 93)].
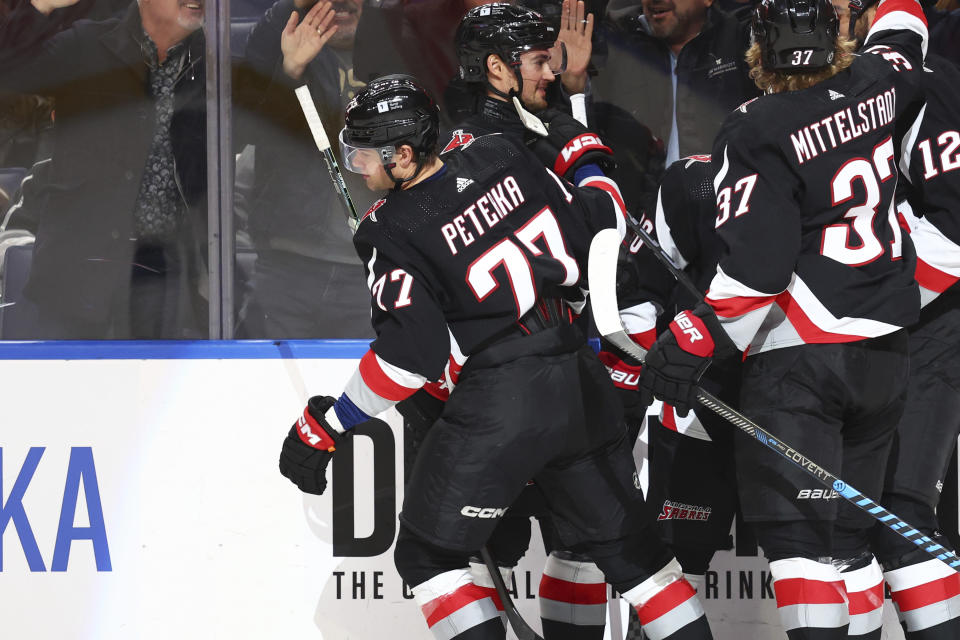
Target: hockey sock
[(668, 607), (695, 580), (573, 598), (458, 609), (811, 599), (927, 596), (864, 584), (481, 577)]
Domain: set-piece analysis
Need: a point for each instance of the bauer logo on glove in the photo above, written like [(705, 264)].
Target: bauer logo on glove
[(691, 334)]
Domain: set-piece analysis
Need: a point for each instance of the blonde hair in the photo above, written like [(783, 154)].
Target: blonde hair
[(779, 81)]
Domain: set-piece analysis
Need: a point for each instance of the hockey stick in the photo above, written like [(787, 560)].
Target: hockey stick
[(601, 275), (323, 144), (520, 626)]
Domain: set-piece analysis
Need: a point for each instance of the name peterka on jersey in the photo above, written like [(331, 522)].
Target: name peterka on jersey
[(843, 126), (483, 214)]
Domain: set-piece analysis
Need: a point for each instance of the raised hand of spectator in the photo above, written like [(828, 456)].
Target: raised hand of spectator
[(300, 43), (47, 6), (575, 32)]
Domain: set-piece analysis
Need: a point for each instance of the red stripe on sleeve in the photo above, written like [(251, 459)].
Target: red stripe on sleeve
[(572, 592), (908, 6), (442, 606), (379, 382), (865, 601), (791, 591), (610, 187), (672, 596), (932, 278), (927, 593)]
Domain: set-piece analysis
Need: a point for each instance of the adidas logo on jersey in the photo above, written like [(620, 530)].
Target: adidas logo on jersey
[(463, 183), (835, 95)]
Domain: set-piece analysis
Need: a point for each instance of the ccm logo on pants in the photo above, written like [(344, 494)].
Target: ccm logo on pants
[(485, 512)]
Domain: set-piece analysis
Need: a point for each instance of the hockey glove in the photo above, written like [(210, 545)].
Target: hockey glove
[(309, 446), (570, 145), (677, 360)]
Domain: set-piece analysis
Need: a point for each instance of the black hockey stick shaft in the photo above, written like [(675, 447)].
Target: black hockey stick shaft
[(664, 258), (602, 268), (520, 627)]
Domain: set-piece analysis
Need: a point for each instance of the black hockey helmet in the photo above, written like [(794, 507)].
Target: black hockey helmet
[(857, 9), (390, 111), (795, 35), (504, 30)]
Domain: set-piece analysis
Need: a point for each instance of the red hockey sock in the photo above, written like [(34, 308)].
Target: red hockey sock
[(927, 596), (865, 601), (573, 599), (811, 599), (458, 609)]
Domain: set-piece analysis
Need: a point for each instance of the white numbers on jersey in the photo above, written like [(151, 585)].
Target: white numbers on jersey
[(801, 56), (403, 298), (835, 243), (894, 58), (949, 142), (507, 253), (726, 194)]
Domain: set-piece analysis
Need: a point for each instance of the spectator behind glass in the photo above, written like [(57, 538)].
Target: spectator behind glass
[(308, 281), (674, 67), (944, 21), (397, 36), (121, 242)]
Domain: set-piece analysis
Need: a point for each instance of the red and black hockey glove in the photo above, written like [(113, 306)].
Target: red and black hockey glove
[(677, 360), (309, 446), (570, 145)]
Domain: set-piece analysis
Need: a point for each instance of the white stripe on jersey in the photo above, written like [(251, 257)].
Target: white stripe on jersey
[(799, 318), (608, 185), (717, 179), (908, 142), (665, 236), (741, 328), (936, 250), (901, 17)]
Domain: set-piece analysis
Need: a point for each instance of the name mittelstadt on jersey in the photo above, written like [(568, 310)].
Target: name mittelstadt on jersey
[(493, 207), (829, 133)]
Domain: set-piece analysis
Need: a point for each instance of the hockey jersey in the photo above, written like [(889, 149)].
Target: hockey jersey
[(932, 168), (805, 186), (456, 260)]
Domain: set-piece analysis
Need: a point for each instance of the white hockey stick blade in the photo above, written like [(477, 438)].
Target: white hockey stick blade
[(530, 121), (313, 118), (602, 281)]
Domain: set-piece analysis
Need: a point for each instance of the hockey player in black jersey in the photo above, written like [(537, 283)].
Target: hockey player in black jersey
[(692, 483), (815, 288), (478, 254), (925, 592), (508, 51)]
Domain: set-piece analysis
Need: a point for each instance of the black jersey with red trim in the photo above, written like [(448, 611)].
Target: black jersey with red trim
[(933, 174), (457, 259), (805, 185)]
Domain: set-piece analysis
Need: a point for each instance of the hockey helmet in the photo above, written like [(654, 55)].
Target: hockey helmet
[(857, 9), (504, 30), (795, 35), (389, 112)]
